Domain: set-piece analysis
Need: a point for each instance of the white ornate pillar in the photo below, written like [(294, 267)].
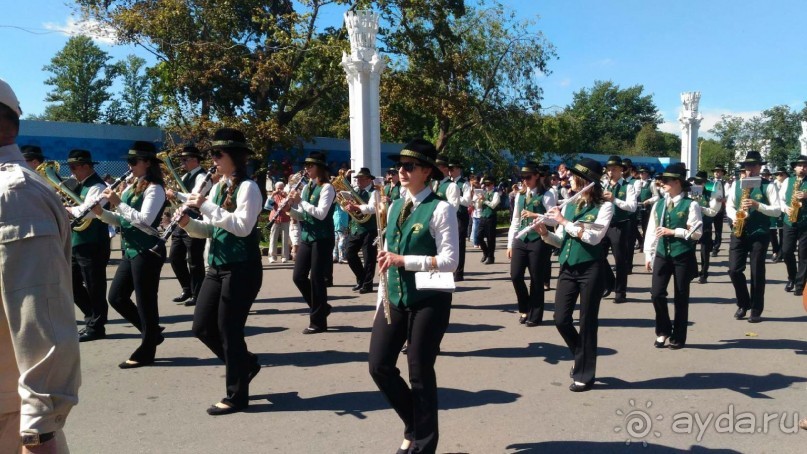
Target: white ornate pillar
[(803, 138), (690, 121), (363, 68)]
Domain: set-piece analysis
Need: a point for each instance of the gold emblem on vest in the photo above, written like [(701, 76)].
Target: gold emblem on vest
[(417, 227)]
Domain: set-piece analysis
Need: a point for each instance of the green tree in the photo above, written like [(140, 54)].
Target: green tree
[(134, 104), (81, 79), (782, 127), (611, 117), (713, 153)]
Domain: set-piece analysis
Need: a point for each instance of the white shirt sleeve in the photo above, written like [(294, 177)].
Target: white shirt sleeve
[(693, 218), (629, 204), (326, 197), (589, 236), (773, 208), (514, 221), (153, 201), (466, 199), (494, 202), (240, 222), (453, 195), (650, 233), (93, 193)]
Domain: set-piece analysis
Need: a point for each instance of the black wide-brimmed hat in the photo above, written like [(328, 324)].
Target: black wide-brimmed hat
[(627, 163), (783, 170), (800, 160), (80, 157), (392, 170), (317, 158), (754, 157), (442, 160), (615, 161), (588, 169), (543, 170), (529, 168), (488, 180), (701, 177), (32, 152), (143, 150), (229, 139), (422, 150), (765, 171), (678, 171), (455, 163), (190, 151), (365, 172), (719, 167), (644, 169)]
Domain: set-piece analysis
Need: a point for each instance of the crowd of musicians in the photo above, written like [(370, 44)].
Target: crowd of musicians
[(424, 211)]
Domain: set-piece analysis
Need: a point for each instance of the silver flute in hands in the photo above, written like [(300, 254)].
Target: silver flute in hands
[(541, 218), (203, 190)]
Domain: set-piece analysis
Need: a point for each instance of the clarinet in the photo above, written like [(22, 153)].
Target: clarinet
[(285, 201), (77, 220), (186, 209)]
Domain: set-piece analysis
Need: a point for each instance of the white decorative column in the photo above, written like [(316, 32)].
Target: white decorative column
[(690, 121), (803, 138), (364, 67)]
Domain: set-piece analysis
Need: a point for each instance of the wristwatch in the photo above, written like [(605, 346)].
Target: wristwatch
[(30, 439)]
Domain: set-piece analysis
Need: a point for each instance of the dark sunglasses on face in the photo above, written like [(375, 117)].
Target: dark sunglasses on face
[(308, 165), (133, 161), (408, 166), (215, 154)]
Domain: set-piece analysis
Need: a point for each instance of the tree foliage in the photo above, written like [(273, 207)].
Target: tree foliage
[(80, 78)]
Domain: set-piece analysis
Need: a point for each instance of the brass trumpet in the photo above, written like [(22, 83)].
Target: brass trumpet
[(345, 194), (49, 170), (175, 182)]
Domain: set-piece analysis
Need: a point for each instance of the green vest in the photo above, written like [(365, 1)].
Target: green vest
[(488, 212), (311, 228), (442, 188), (411, 238), (675, 218), (535, 205), (801, 221), (97, 231), (226, 248), (392, 191), (646, 193), (703, 201), (573, 251), (756, 224), (135, 241), (620, 192), (358, 228)]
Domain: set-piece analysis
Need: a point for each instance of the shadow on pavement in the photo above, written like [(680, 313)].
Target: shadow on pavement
[(551, 353), (563, 447), (358, 403), (798, 347), (311, 359), (753, 386), (466, 328), (630, 323)]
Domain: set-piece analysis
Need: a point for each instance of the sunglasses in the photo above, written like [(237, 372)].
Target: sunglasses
[(133, 161), (216, 154), (308, 165), (528, 176), (408, 166)]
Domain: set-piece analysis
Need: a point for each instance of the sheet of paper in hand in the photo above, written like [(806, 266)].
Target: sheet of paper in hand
[(435, 280)]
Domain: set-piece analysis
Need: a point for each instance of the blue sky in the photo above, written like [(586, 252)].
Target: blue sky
[(743, 55)]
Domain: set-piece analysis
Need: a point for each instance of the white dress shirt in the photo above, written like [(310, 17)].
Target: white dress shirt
[(93, 193), (241, 222), (153, 201), (693, 219), (629, 204), (589, 236), (773, 208), (548, 200), (712, 206), (653, 190), (494, 201), (319, 211), (452, 192)]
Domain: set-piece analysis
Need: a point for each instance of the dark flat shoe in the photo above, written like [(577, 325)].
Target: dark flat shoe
[(658, 344), (129, 364), (310, 330), (577, 388), (218, 411), (531, 323), (740, 314), (675, 345), (522, 319), (90, 335)]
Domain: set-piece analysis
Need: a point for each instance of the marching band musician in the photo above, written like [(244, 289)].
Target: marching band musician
[(795, 233), (761, 203), (647, 195), (581, 229), (720, 191), (463, 217), (362, 237), (33, 156), (91, 249), (392, 187), (187, 254), (488, 200), (631, 177), (529, 252), (623, 195), (421, 236), (673, 229), (780, 180), (235, 274), (710, 205), (142, 203), (313, 208)]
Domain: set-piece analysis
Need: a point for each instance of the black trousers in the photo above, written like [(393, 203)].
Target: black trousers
[(705, 254), (618, 239), (463, 220), (645, 218), (187, 260), (586, 281), (739, 249), (776, 245), (680, 269), (364, 242), (795, 239), (718, 227), (89, 282), (219, 319), (532, 256), (311, 266), (487, 236), (140, 275), (633, 235), (423, 330)]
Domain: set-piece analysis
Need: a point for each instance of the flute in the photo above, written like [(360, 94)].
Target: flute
[(77, 220), (381, 222), (523, 232), (203, 190)]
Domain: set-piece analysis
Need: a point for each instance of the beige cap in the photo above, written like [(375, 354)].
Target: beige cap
[(8, 97)]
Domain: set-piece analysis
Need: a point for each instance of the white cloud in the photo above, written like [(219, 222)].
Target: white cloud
[(710, 118), (565, 82), (604, 62), (89, 27)]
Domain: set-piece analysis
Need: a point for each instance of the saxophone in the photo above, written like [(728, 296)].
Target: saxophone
[(795, 202), (741, 214), (49, 170)]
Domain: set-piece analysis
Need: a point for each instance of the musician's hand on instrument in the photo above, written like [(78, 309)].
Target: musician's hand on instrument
[(387, 260), (664, 231), (196, 200), (97, 209), (294, 197), (184, 220), (800, 195), (608, 196), (111, 196), (540, 229), (555, 214), (527, 214), (749, 203), (169, 194)]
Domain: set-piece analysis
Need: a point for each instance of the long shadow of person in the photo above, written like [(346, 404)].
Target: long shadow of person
[(753, 386), (551, 353), (563, 447)]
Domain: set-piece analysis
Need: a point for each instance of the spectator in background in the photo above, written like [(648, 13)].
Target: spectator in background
[(280, 229)]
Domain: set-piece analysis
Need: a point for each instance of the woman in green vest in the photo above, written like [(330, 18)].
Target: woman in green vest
[(139, 207), (529, 251), (673, 230), (581, 228), (313, 208), (421, 235), (234, 274)]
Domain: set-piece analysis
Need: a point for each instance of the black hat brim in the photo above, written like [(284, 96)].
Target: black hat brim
[(585, 173), (437, 174)]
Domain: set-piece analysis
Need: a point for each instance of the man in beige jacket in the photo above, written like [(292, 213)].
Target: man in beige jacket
[(39, 354)]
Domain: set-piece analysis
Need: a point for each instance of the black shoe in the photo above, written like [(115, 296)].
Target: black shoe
[(531, 323), (489, 261), (129, 364), (577, 388), (522, 319), (658, 344), (740, 314), (606, 293), (702, 280), (798, 292), (311, 330), (356, 287), (790, 286), (755, 317), (620, 300), (675, 345), (182, 298), (364, 290), (88, 335), (484, 258), (714, 253), (218, 411), (190, 303), (402, 451)]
